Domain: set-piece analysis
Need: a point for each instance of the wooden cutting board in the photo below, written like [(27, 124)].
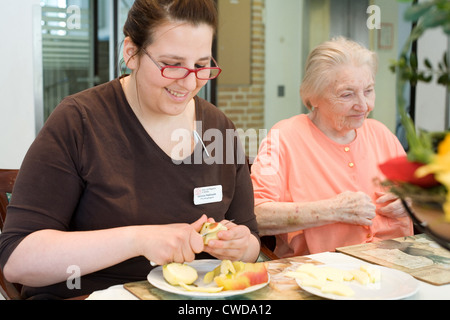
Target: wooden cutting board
[(416, 255)]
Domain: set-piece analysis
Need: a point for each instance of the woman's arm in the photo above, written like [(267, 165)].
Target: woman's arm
[(43, 257), (283, 217)]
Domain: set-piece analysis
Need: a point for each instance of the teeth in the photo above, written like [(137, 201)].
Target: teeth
[(176, 94)]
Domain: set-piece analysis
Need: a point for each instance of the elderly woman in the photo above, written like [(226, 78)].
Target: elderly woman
[(314, 174)]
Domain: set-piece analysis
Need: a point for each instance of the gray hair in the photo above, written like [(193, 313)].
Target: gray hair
[(328, 55)]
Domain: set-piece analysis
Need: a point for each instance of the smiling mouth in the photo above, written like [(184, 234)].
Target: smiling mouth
[(176, 94)]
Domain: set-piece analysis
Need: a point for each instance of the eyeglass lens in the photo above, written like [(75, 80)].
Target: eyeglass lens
[(180, 72)]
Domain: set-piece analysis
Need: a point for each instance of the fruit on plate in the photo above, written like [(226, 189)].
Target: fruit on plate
[(248, 274), (306, 280), (313, 271), (334, 280), (209, 231), (373, 272), (360, 276), (178, 273), (225, 267), (201, 289), (337, 288)]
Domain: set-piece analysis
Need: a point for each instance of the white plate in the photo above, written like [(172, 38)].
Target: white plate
[(394, 285), (156, 278)]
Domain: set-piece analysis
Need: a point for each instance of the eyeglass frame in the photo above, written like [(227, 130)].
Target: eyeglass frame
[(189, 71)]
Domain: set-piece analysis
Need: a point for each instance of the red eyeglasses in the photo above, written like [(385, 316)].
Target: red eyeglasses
[(177, 73)]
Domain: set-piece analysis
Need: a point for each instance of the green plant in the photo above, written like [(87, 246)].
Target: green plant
[(424, 175), (424, 15)]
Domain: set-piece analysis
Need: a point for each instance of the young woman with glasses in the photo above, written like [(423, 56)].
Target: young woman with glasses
[(101, 189)]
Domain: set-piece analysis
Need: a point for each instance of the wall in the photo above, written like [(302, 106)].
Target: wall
[(17, 84), (244, 103), (432, 103), (385, 42), (284, 61)]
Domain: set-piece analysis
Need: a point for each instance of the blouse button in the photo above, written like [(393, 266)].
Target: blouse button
[(346, 149), (351, 164)]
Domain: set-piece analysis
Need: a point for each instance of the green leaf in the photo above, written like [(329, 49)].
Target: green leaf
[(446, 28), (416, 11), (434, 18), (444, 79), (428, 64)]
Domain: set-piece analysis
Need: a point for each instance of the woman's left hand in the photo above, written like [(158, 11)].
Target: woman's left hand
[(389, 205), (232, 243)]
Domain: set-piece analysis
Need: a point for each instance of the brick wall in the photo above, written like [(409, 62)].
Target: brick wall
[(244, 105)]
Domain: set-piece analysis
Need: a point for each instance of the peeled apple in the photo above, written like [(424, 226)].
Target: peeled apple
[(177, 273), (209, 231)]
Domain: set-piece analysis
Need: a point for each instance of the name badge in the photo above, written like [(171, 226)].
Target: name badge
[(207, 195)]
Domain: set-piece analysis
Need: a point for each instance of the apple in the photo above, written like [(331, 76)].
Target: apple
[(374, 273), (209, 231), (361, 276), (250, 274), (306, 279), (201, 289), (209, 276), (177, 273), (225, 267), (338, 288)]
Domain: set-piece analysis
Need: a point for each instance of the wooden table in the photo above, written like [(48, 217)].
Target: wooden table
[(285, 288)]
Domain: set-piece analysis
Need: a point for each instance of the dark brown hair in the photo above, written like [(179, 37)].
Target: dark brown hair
[(146, 15)]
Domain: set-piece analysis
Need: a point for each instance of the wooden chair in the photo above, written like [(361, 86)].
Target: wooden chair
[(9, 290)]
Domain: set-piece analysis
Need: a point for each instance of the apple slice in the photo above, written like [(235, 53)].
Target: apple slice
[(226, 266), (209, 231), (177, 273), (252, 274), (374, 273), (201, 289), (337, 288), (360, 276)]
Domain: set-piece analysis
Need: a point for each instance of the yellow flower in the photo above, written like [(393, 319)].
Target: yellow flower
[(440, 167), (444, 146)]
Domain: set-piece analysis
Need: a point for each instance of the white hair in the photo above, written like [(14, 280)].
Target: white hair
[(328, 55)]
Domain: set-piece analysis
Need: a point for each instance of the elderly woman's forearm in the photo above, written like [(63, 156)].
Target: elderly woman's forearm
[(283, 217)]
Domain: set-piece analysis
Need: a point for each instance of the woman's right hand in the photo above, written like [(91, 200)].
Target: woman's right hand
[(353, 208), (164, 244)]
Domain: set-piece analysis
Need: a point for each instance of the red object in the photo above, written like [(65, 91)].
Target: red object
[(402, 170)]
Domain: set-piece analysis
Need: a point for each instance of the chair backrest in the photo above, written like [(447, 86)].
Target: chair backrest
[(9, 290), (7, 179)]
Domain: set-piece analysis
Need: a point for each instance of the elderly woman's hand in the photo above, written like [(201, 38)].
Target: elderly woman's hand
[(354, 208), (389, 205)]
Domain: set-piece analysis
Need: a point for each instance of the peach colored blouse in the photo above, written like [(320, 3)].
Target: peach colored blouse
[(298, 163)]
